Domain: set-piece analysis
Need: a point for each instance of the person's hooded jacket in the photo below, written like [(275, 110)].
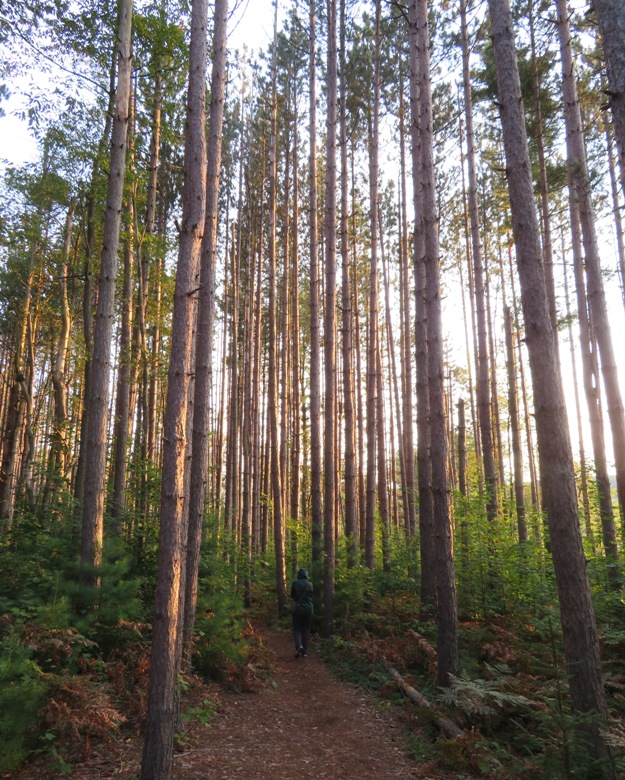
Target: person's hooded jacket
[(301, 590)]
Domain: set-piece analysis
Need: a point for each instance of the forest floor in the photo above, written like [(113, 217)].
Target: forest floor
[(303, 723)]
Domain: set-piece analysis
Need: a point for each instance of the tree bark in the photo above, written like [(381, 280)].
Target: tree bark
[(556, 460), (611, 18), (205, 320), (157, 763), (351, 522), (96, 403), (513, 411), (448, 665), (315, 349), (329, 327), (579, 191)]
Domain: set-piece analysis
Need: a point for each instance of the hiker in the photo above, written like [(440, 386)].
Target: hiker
[(301, 593)]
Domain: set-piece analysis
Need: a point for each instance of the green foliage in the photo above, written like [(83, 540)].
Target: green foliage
[(220, 642), (22, 692)]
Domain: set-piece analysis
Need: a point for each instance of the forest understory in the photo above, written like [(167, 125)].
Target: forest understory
[(251, 709)]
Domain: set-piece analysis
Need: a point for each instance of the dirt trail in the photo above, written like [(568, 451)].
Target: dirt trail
[(305, 725), (309, 726)]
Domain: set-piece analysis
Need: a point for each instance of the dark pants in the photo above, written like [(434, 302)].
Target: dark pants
[(301, 630)]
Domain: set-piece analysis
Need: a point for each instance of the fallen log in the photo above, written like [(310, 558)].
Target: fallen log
[(447, 726)]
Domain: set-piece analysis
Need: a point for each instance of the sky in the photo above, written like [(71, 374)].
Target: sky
[(250, 24)]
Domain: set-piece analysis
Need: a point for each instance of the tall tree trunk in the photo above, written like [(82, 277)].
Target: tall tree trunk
[(448, 663), (556, 459), (579, 183), (616, 211), (205, 321), (482, 369), (121, 424), (315, 348), (59, 444), (122, 400), (157, 763), (424, 466), (407, 427), (351, 523), (87, 299), (592, 391), (96, 404), (296, 446), (150, 229), (272, 384), (611, 18), (329, 327), (578, 411), (513, 411)]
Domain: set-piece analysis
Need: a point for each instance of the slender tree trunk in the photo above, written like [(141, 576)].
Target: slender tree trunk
[(205, 323), (157, 763), (315, 348), (408, 433), (592, 391), (578, 412), (122, 400), (150, 227), (295, 481), (424, 466), (611, 18), (545, 215), (557, 474), (448, 662), (60, 454), (351, 523), (616, 210), (87, 300), (482, 369), (96, 404), (579, 184), (272, 389), (513, 410), (329, 327)]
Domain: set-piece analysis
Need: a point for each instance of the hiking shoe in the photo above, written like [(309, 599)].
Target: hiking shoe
[(304, 655), (299, 652)]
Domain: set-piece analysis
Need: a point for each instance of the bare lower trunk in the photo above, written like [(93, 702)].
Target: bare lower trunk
[(448, 662), (206, 308), (157, 763), (557, 473), (96, 403)]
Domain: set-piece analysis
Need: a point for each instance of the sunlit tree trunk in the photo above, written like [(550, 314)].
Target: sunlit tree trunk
[(272, 376), (611, 18), (60, 455), (96, 403), (157, 762), (557, 475), (205, 321), (579, 191), (87, 299), (578, 411), (121, 424), (616, 211)]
